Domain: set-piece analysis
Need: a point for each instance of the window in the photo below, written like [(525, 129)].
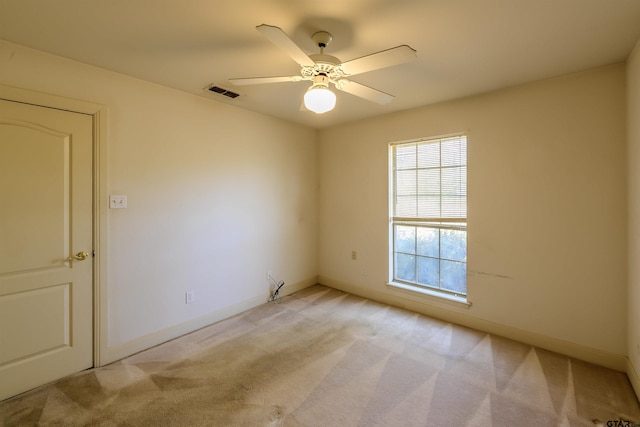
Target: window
[(429, 214)]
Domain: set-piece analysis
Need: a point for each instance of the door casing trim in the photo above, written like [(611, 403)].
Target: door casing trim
[(98, 113)]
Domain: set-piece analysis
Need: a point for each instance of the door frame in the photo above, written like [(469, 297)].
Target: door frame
[(99, 191)]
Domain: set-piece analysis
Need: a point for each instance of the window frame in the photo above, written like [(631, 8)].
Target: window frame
[(430, 222)]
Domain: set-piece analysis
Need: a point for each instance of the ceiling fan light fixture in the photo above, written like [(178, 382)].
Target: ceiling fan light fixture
[(319, 98), (324, 69)]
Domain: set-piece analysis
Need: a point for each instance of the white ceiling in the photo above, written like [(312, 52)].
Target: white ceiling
[(464, 47)]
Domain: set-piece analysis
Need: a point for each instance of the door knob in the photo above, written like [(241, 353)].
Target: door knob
[(80, 256)]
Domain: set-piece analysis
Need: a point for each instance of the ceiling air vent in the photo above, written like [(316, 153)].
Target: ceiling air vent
[(223, 91)]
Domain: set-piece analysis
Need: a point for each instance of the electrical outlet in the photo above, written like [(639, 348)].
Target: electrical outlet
[(354, 255), (189, 297), (364, 272)]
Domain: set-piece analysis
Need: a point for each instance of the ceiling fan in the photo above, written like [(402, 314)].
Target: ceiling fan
[(324, 70)]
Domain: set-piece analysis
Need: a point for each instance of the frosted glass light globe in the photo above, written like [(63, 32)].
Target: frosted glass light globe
[(319, 99)]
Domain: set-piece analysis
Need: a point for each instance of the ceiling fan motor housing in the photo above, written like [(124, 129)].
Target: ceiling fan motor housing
[(324, 64)]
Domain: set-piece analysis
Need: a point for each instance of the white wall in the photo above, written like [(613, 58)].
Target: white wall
[(633, 156), (216, 197), (546, 215)]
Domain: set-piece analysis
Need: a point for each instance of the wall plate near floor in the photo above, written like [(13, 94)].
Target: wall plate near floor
[(190, 297)]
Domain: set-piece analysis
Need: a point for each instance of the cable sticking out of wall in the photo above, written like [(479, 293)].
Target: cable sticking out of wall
[(276, 289)]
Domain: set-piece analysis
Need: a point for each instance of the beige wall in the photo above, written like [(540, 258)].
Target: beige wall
[(546, 216), (216, 197), (633, 158)]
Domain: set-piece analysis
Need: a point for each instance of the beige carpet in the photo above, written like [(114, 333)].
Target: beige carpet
[(325, 358)]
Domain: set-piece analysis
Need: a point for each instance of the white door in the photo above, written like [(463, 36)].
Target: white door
[(46, 295)]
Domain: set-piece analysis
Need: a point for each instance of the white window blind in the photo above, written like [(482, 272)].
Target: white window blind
[(431, 179)]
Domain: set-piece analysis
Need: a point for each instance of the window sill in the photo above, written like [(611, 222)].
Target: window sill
[(439, 296)]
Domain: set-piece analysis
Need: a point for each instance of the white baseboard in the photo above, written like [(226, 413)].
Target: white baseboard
[(578, 351), (114, 353)]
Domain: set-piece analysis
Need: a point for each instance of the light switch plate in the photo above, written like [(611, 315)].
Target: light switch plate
[(117, 201)]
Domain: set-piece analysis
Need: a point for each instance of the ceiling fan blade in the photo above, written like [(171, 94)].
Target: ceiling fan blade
[(282, 40), (261, 80), (386, 58), (363, 91)]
